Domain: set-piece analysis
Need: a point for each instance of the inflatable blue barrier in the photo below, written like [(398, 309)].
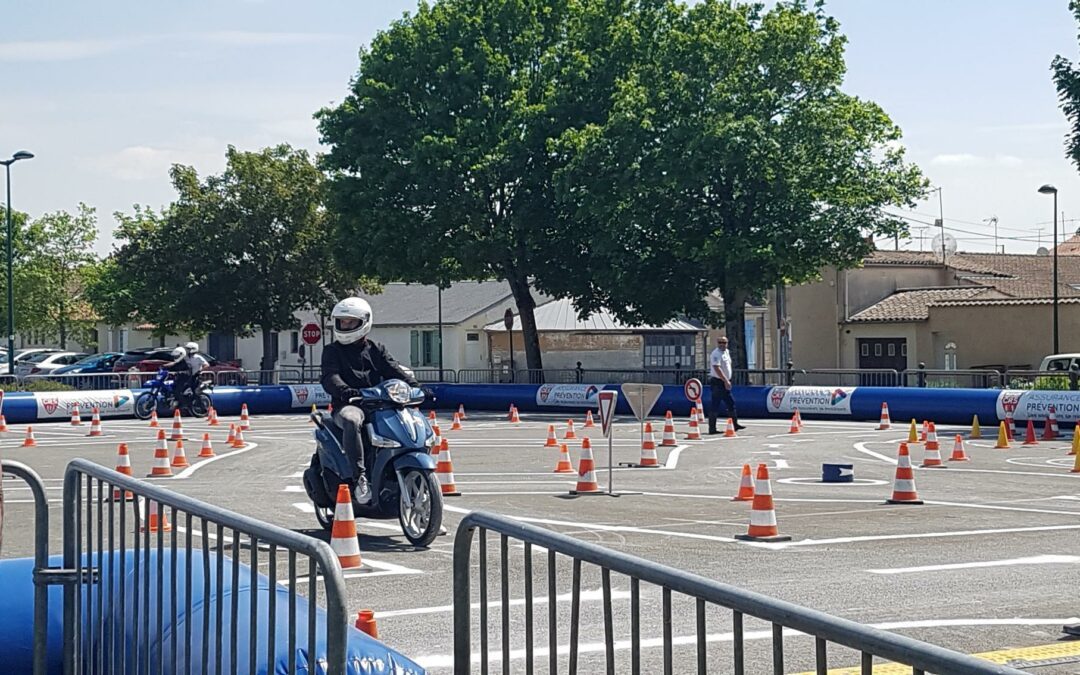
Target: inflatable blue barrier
[(950, 406), (365, 655)]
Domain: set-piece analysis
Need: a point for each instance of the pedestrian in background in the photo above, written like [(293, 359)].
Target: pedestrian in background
[(720, 385)]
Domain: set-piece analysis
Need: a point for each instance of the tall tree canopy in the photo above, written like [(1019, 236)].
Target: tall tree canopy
[(236, 252), (1067, 80), (732, 160), (440, 155)]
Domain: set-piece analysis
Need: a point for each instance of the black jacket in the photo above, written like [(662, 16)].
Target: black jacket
[(357, 366)]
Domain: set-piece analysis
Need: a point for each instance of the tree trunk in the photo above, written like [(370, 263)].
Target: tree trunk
[(269, 357), (519, 286), (735, 328)]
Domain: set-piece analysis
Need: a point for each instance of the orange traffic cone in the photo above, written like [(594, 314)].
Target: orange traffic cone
[(179, 459), (245, 420), (904, 482), (343, 540), (456, 426), (514, 418), (1030, 439), (794, 428), (932, 454), (564, 465), (798, 416), (958, 454), (762, 514), (231, 440), (213, 418), (153, 419), (207, 449), (461, 411), (365, 623), (586, 483), (694, 434), (177, 427), (1003, 437), (437, 444), (161, 468), (552, 442), (3, 425), (75, 419), (885, 422), (589, 424), (1010, 427), (1051, 420), (668, 439), (729, 430), (648, 442), (152, 517), (444, 471), (30, 441), (746, 486), (239, 442), (123, 465), (510, 413), (925, 431), (431, 417), (570, 435), (95, 424)]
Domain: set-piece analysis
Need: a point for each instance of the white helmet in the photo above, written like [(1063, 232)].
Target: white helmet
[(178, 352), (191, 347), (351, 308)]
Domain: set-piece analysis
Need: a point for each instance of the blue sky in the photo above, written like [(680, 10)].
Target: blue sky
[(108, 95)]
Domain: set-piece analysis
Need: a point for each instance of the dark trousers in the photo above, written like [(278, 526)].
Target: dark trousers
[(720, 393), (351, 420)]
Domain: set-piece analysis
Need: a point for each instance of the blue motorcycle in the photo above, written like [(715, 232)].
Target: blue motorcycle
[(160, 395), (397, 456)]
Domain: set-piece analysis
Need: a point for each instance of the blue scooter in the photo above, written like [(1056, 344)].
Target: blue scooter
[(397, 455)]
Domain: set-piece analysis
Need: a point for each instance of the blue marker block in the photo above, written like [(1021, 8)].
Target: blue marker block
[(837, 473)]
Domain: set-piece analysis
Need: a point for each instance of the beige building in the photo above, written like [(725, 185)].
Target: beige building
[(903, 308)]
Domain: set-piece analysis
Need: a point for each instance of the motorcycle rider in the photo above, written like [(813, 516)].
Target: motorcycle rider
[(350, 363), (188, 363)]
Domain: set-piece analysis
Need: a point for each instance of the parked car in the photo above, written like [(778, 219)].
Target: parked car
[(23, 354), (98, 369), (146, 362), (44, 363)]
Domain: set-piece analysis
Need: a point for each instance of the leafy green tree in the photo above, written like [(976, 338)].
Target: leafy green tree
[(237, 252), (731, 160), (441, 158), (1067, 80)]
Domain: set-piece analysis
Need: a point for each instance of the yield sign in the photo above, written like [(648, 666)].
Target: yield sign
[(607, 399), (642, 398)]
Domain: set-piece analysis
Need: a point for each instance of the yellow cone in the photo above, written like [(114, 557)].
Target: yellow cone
[(1076, 442), (913, 433), (1076, 464), (1003, 437), (976, 431)]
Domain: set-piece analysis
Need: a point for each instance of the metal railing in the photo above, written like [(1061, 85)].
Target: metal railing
[(125, 574), (41, 560), (951, 379), (706, 594)]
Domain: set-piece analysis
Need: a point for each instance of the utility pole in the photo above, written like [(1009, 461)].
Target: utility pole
[(993, 220)]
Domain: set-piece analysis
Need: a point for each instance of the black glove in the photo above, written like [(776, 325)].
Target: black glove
[(350, 393), (429, 393)]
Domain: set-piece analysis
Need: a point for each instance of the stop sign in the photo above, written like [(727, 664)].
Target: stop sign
[(312, 334)]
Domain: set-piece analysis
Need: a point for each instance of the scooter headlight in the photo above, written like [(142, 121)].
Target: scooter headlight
[(398, 392)]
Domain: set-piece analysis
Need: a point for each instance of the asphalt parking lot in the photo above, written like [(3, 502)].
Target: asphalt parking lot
[(989, 562)]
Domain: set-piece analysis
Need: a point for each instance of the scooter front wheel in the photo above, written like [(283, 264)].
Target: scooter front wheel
[(421, 522)]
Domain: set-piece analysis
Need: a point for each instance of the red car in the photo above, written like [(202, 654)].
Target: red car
[(145, 362)]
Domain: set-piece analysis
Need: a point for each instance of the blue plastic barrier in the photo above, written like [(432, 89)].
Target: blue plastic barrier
[(365, 654)]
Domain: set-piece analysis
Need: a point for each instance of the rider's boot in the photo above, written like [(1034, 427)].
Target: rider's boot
[(362, 491)]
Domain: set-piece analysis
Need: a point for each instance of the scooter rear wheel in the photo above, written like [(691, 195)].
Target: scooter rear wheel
[(422, 522)]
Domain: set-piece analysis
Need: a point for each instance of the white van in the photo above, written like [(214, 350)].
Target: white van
[(1061, 362)]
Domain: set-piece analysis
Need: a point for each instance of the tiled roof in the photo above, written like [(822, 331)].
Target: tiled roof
[(914, 305), (561, 315), (1070, 246), (1017, 275), (974, 302)]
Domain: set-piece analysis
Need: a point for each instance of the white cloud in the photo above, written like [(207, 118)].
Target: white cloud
[(967, 159), (239, 38), (144, 162), (45, 51)]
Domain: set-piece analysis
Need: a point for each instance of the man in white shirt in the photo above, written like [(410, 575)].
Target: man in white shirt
[(720, 385)]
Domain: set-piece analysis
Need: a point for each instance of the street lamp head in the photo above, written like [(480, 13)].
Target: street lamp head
[(1048, 189)]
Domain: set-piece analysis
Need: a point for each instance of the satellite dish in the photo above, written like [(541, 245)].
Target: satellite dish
[(949, 246), (1042, 251)]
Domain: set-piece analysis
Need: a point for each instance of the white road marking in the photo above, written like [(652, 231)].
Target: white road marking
[(447, 660), (586, 596), (198, 465), (1033, 560), (385, 569), (918, 535), (861, 447)]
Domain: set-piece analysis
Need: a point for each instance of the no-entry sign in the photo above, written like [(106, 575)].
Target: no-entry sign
[(692, 389), (311, 334)]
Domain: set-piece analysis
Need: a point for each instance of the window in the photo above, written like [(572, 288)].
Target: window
[(903, 349), (294, 342), (864, 349), (221, 346), (892, 349), (423, 348), (472, 337), (669, 351), (877, 349)]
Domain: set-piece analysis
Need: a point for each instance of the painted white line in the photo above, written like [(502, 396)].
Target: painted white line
[(919, 535), (861, 447), (672, 460), (995, 507), (447, 660), (1033, 560), (363, 524), (198, 465), (781, 464), (385, 569), (586, 596)]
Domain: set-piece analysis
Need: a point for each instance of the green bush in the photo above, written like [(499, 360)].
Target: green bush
[(35, 385), (1052, 383)]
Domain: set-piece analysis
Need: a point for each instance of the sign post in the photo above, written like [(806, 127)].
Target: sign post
[(608, 398), (508, 321), (642, 398), (692, 389)]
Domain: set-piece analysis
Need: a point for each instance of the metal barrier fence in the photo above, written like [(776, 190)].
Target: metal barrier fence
[(705, 593), (42, 572), (101, 528)]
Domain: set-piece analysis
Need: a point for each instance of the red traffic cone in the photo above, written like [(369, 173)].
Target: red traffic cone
[(885, 422), (177, 427), (589, 423), (151, 522), (207, 450), (444, 471), (456, 425), (179, 459), (213, 418), (153, 419), (586, 483), (245, 419), (564, 465), (668, 439), (648, 449), (794, 428), (514, 418), (729, 430), (746, 486), (461, 411), (3, 425), (694, 434), (365, 623), (30, 441), (123, 465), (904, 482), (95, 424), (958, 454), (161, 468), (932, 454), (238, 441), (552, 442), (1030, 439), (343, 540), (231, 440), (798, 416), (570, 435), (762, 514), (649, 441)]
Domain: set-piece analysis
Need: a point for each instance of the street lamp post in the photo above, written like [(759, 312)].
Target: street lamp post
[(1051, 190), (22, 154)]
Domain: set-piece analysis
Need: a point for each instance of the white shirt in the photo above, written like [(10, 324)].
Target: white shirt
[(722, 358), (196, 363)]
